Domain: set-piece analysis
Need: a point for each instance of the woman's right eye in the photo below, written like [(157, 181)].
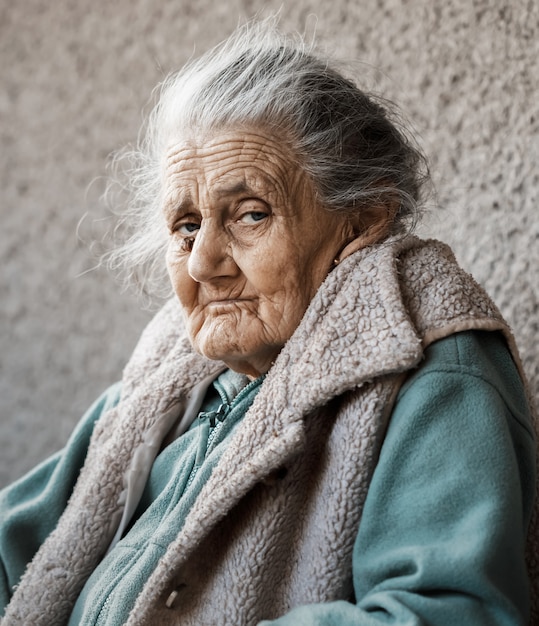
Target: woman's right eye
[(188, 228)]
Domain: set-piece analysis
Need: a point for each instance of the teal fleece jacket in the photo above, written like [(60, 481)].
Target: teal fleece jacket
[(444, 521)]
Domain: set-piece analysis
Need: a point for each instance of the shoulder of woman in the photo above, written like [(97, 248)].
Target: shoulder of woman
[(480, 360)]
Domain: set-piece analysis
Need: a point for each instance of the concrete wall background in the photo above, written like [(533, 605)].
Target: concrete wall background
[(74, 77)]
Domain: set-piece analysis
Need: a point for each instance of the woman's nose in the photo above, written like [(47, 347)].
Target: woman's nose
[(210, 256)]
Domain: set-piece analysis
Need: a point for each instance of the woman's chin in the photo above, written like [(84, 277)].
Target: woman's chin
[(219, 347), (243, 359), (245, 348)]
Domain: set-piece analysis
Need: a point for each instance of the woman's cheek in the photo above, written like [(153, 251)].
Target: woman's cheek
[(177, 270)]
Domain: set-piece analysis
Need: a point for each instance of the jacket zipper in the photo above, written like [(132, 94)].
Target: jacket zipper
[(216, 421), (102, 616)]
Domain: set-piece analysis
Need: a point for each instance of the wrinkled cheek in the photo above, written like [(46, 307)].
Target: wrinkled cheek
[(172, 269), (187, 292), (183, 285), (196, 324), (193, 327)]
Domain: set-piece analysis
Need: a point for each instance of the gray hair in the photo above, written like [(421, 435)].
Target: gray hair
[(350, 143)]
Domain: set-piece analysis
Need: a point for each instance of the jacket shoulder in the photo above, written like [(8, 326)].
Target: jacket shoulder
[(480, 355)]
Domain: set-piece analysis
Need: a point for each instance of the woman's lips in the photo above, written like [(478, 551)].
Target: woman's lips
[(227, 302)]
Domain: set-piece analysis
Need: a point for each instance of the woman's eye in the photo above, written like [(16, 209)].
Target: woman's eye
[(253, 217), (188, 228)]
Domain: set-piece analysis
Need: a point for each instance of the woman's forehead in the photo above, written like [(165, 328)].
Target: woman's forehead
[(231, 162), (184, 191), (224, 146)]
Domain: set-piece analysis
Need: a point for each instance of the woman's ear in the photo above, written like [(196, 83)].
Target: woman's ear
[(370, 226)]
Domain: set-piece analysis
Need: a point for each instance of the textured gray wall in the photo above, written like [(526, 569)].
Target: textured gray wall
[(74, 78)]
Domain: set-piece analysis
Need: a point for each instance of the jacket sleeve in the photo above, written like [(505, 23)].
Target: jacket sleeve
[(442, 536), (30, 508)]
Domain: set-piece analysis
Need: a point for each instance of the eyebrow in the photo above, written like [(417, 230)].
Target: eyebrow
[(182, 199), (186, 201)]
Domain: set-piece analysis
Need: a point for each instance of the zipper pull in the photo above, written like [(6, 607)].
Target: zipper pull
[(220, 414)]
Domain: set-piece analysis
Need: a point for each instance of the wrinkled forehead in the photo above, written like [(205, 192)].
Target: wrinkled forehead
[(231, 162)]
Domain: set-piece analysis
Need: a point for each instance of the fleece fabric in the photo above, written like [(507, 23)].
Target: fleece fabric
[(175, 480), (275, 524)]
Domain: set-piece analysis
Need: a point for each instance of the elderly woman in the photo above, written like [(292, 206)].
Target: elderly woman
[(327, 424)]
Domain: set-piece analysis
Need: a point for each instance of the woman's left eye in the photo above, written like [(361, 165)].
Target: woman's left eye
[(253, 217)]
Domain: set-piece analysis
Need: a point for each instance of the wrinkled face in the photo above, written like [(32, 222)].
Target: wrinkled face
[(248, 245)]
